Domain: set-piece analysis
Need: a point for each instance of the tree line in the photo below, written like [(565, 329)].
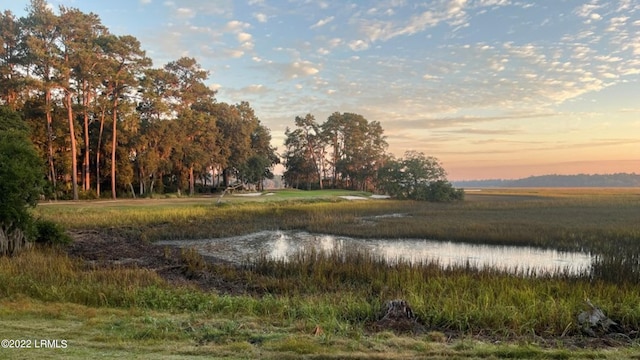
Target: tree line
[(555, 180), (103, 117)]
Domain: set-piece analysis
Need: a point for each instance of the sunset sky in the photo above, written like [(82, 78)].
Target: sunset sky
[(493, 88)]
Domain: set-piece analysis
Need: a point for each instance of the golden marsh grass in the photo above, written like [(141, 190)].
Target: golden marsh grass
[(124, 309)]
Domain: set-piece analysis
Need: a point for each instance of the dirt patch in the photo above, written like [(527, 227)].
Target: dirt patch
[(105, 249)]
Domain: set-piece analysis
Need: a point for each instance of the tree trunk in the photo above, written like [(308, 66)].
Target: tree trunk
[(160, 182), (225, 178), (86, 182), (86, 99), (321, 171), (98, 151), (74, 151), (191, 182), (12, 241), (114, 145), (52, 168), (142, 180)]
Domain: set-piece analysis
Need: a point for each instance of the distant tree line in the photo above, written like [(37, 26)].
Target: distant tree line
[(102, 117), (578, 180)]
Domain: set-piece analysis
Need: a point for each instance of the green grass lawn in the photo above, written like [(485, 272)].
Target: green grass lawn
[(108, 333), (304, 194)]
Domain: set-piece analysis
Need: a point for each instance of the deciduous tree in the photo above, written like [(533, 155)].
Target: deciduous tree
[(358, 148), (300, 168), (417, 177), (236, 123), (333, 133), (258, 165)]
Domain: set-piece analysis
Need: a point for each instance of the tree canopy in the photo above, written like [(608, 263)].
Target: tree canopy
[(101, 116), (417, 177), (349, 151), (21, 173)]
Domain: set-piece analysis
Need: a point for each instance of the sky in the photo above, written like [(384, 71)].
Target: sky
[(493, 88)]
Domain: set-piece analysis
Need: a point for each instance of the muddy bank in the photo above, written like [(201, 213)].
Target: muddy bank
[(110, 248)]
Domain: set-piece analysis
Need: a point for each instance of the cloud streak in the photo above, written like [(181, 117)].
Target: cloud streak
[(322, 22)]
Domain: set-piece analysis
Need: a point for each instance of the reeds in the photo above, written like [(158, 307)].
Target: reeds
[(339, 292), (50, 275), (344, 292), (454, 298)]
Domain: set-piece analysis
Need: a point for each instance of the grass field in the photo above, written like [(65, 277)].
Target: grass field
[(323, 306)]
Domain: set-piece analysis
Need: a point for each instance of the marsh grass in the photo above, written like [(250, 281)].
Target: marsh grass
[(452, 298), (570, 221), (340, 293), (49, 275)]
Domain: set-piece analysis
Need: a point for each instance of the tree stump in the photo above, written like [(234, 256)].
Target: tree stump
[(594, 322), (399, 317), (12, 241)]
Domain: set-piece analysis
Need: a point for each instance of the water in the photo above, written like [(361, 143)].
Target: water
[(282, 245)]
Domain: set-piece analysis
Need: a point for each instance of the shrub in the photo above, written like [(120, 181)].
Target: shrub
[(439, 191), (88, 195), (21, 174), (21, 180), (49, 232)]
